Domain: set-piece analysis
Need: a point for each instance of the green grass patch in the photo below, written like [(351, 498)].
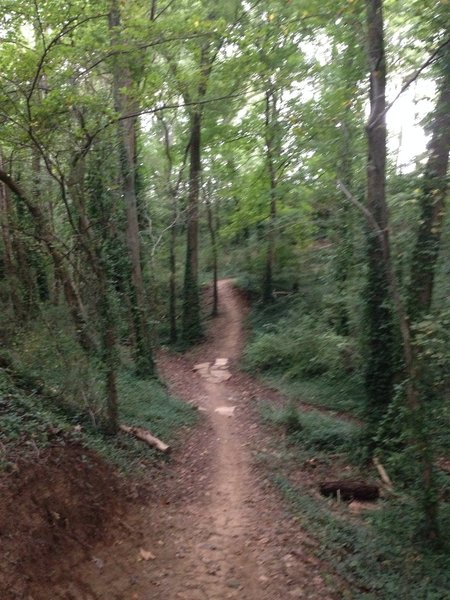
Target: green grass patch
[(345, 395), (313, 431), (28, 416), (147, 404)]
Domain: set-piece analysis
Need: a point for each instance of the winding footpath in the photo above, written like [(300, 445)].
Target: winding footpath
[(220, 531)]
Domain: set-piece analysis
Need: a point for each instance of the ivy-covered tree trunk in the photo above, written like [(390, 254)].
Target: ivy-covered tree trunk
[(271, 116), (420, 292), (380, 338), (192, 330), (214, 252), (127, 108), (191, 322), (173, 284), (9, 271), (432, 203), (92, 247)]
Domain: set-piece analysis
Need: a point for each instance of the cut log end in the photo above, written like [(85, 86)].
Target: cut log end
[(350, 490)]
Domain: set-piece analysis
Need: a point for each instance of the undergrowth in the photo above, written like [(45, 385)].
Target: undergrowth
[(29, 418), (378, 556), (312, 430), (294, 347), (346, 395)]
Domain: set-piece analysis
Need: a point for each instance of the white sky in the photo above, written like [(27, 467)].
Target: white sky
[(407, 139)]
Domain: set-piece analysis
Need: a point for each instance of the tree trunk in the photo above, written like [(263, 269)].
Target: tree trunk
[(213, 237), (41, 275), (9, 266), (71, 295), (379, 363), (94, 255), (419, 438), (127, 105), (191, 323), (173, 286), (420, 292), (172, 192), (271, 146), (432, 204), (192, 330)]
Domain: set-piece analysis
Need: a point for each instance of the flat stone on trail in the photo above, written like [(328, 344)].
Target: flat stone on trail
[(201, 366), (220, 374), (221, 363), (214, 373), (227, 411)]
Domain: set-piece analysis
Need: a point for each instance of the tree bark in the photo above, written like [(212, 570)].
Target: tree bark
[(420, 292), (192, 330), (271, 116), (191, 321), (380, 340), (213, 237), (173, 286), (92, 250), (127, 105), (376, 212), (432, 204), (9, 266)]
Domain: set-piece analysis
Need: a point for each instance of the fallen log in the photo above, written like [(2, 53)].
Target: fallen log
[(147, 437), (350, 490)]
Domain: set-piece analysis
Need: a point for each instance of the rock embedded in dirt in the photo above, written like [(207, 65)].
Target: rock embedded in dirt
[(221, 363), (216, 372), (226, 411)]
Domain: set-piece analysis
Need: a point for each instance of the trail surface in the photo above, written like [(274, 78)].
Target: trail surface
[(215, 529)]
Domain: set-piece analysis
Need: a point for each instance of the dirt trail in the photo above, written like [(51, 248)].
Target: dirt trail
[(223, 534)]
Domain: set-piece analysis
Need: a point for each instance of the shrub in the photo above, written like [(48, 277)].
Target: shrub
[(300, 348), (312, 430)]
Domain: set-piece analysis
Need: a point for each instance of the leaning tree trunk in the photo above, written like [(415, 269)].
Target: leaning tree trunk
[(71, 294), (380, 340), (127, 108)]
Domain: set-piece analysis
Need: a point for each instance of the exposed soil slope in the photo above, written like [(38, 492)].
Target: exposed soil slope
[(55, 505)]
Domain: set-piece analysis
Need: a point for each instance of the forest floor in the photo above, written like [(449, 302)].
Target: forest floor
[(209, 525)]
